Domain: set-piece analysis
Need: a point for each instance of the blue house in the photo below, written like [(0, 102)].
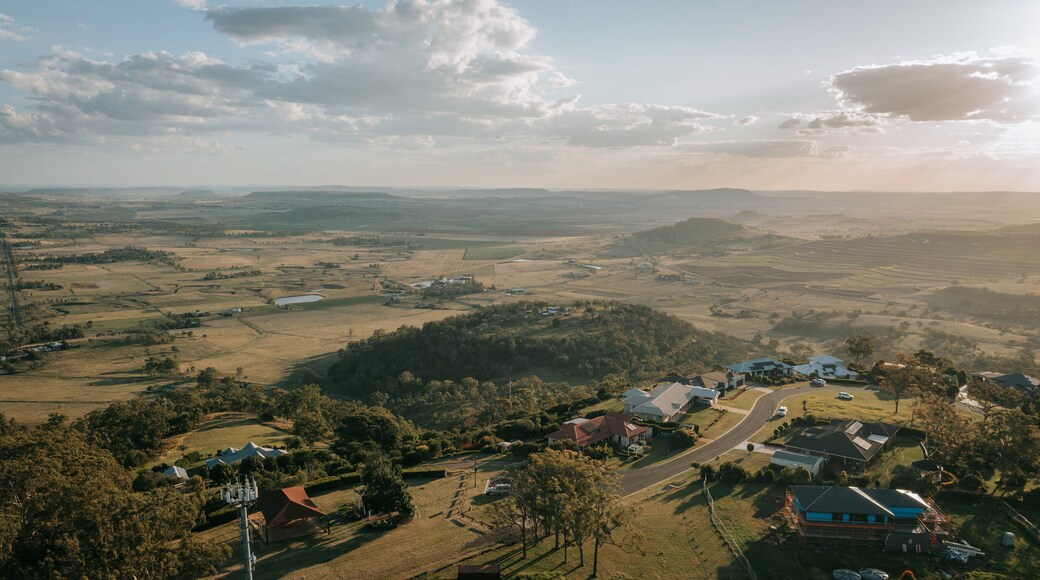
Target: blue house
[(893, 517)]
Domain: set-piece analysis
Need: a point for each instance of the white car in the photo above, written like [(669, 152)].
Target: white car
[(873, 574), (817, 383), (845, 396), (781, 412)]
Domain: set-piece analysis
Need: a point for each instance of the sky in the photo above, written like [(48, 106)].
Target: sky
[(886, 95)]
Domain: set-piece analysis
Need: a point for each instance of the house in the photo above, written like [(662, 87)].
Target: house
[(667, 400), (616, 428), (719, 381), (794, 460), (761, 367), (232, 456), (176, 471), (826, 367), (896, 518), (289, 513), (853, 443), (1019, 381)]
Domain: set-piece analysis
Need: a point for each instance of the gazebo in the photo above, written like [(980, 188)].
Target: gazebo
[(290, 512)]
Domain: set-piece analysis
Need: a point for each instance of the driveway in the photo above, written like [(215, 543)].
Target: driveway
[(638, 479)]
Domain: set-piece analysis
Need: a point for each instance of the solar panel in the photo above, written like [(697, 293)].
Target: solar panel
[(861, 442), (854, 428)]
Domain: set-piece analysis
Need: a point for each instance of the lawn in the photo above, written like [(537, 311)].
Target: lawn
[(429, 542), (741, 399), (712, 422), (867, 405), (749, 461), (669, 537), (983, 526), (223, 430), (904, 451)]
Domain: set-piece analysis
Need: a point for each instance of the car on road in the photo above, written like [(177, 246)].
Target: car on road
[(781, 412), (817, 383), (873, 574), (845, 396)]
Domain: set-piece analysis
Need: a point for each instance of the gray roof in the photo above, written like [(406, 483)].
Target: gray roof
[(232, 456), (855, 500), (758, 365), (850, 439), (838, 500), (176, 471), (793, 457)]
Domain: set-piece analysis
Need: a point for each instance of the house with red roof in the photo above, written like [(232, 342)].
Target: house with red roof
[(615, 428)]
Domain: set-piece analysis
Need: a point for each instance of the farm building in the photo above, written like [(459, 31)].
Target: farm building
[(896, 518), (761, 367), (826, 367), (232, 456), (854, 443), (289, 513), (795, 460), (667, 401), (613, 427)]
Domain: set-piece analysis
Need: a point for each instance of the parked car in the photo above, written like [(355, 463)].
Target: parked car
[(500, 489), (817, 383), (873, 574), (781, 412), (844, 574), (845, 396)]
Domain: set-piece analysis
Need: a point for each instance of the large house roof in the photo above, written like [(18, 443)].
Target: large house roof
[(232, 456), (1016, 380), (598, 429), (287, 505), (855, 500), (825, 366), (758, 365), (710, 380), (850, 439)]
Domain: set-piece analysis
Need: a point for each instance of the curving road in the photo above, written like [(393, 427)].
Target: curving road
[(638, 479)]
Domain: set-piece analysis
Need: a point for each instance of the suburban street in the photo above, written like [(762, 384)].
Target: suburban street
[(638, 479)]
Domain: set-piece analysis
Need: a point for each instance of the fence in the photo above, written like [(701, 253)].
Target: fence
[(721, 528)]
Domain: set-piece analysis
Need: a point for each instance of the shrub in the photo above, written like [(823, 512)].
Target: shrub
[(682, 439), (708, 472), (733, 473)]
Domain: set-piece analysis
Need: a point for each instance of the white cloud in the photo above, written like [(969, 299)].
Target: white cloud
[(8, 30), (413, 74), (960, 87), (745, 121), (826, 122), (628, 125)]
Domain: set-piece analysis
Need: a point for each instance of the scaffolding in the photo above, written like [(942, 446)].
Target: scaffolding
[(932, 524)]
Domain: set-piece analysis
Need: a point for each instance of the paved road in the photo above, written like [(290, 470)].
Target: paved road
[(642, 478)]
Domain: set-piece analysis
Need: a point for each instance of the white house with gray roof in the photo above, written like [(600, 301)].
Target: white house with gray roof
[(666, 401), (232, 456)]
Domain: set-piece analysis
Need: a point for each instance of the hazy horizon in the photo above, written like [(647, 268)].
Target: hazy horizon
[(802, 95)]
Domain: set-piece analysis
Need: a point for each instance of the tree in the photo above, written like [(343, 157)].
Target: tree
[(907, 378), (949, 434), (1011, 440), (682, 439), (221, 473), (750, 447), (859, 347), (385, 489), (67, 510)]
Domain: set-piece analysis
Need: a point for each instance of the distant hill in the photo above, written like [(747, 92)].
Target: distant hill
[(197, 194), (514, 340), (698, 235), (305, 196)]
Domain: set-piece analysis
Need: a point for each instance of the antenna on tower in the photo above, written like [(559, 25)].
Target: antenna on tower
[(241, 494)]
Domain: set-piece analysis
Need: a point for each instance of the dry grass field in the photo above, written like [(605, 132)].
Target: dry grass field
[(884, 282)]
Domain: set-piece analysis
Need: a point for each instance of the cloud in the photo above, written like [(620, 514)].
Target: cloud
[(745, 121), (8, 30), (832, 122), (413, 73), (777, 148), (960, 87), (628, 125)]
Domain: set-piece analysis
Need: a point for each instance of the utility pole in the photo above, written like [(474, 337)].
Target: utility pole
[(241, 495)]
